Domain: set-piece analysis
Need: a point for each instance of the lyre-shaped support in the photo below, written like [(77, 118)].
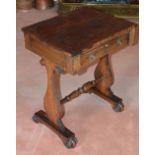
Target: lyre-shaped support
[(102, 89), (54, 110)]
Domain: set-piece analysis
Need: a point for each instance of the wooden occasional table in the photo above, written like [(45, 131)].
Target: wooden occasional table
[(70, 44)]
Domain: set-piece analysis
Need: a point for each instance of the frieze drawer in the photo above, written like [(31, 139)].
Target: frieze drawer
[(108, 47)]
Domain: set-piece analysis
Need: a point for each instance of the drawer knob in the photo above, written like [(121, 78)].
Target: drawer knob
[(106, 45), (92, 56), (119, 41)]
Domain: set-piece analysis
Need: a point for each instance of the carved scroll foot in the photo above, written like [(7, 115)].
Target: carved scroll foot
[(67, 136), (102, 89), (115, 101), (119, 107)]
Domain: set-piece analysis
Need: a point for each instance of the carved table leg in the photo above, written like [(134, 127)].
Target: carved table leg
[(102, 89), (54, 110)]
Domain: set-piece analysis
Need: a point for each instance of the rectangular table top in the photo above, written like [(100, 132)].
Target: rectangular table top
[(78, 39), (78, 30)]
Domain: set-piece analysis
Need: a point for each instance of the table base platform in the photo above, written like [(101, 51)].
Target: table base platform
[(67, 136)]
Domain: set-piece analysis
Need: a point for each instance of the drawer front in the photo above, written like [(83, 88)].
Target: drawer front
[(108, 47)]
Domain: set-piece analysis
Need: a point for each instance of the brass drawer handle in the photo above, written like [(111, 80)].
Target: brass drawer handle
[(92, 56), (106, 45), (119, 41)]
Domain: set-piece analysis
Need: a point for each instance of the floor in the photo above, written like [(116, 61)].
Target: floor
[(99, 129)]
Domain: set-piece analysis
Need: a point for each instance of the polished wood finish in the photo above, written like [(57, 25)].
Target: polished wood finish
[(68, 40), (86, 88), (75, 32), (70, 44), (54, 110), (67, 136), (53, 94), (102, 89)]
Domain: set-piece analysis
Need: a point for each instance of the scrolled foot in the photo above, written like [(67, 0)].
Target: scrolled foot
[(71, 142), (119, 107), (66, 135), (35, 118)]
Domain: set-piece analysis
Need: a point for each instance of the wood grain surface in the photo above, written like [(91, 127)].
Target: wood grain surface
[(78, 30)]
